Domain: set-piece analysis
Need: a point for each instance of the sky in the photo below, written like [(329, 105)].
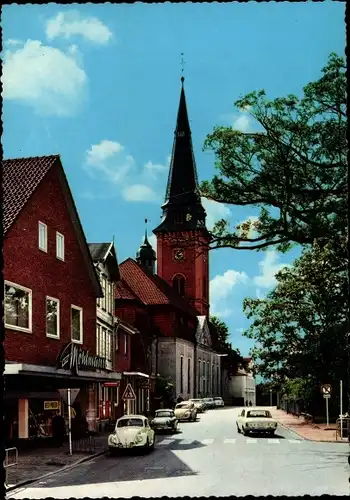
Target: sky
[(100, 85)]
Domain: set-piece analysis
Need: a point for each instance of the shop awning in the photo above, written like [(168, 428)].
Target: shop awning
[(135, 374), (49, 371)]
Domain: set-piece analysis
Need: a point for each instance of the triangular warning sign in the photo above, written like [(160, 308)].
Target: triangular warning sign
[(129, 393)]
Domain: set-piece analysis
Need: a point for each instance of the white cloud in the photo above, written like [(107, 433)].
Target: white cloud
[(108, 161), (47, 79), (139, 192), (155, 169), (215, 211), (221, 287), (242, 123), (13, 41), (68, 24), (269, 268)]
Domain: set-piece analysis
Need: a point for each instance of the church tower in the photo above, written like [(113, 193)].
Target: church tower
[(182, 237), (146, 256)]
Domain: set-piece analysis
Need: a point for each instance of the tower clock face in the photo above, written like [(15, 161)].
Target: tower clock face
[(179, 254)]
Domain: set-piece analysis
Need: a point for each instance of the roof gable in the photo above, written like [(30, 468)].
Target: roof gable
[(106, 253), (203, 334), (151, 289), (21, 178)]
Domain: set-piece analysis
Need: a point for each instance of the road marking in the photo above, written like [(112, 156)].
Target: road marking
[(251, 441), (207, 441), (273, 441), (294, 441), (166, 442), (186, 441), (230, 441)]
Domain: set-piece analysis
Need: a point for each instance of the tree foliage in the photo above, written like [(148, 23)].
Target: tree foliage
[(294, 170), (233, 361), (300, 327)]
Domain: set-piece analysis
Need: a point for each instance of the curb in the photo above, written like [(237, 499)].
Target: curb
[(66, 467), (308, 439)]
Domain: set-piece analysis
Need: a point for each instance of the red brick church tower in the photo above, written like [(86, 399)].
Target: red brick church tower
[(182, 237)]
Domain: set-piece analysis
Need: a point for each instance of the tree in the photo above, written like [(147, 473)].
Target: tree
[(300, 327), (297, 165), (233, 359)]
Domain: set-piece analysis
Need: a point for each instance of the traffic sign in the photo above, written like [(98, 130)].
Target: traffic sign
[(326, 388), (73, 395), (129, 393), (326, 396)]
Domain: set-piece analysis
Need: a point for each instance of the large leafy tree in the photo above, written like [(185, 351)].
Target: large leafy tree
[(300, 327), (294, 169)]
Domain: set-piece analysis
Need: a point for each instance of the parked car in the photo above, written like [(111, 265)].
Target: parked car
[(165, 420), (209, 402), (186, 411), (219, 402), (131, 431), (255, 420), (199, 405)]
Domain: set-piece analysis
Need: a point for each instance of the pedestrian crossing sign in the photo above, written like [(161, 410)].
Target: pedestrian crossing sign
[(129, 393)]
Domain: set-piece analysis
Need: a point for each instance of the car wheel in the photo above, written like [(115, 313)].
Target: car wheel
[(245, 432), (238, 429)]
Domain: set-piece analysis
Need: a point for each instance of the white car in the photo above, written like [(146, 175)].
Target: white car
[(219, 402), (131, 431), (255, 420)]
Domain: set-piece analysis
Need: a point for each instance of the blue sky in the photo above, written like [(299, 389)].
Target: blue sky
[(100, 85)]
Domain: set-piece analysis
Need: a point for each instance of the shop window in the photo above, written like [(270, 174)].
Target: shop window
[(18, 307), (52, 317), (77, 324), (42, 236), (59, 246), (179, 284)]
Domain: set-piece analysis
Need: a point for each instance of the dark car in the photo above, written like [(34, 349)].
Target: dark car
[(165, 420)]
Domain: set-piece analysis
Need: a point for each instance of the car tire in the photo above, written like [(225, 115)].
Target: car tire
[(245, 432), (238, 429)]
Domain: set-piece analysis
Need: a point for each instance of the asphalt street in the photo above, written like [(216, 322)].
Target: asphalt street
[(206, 458)]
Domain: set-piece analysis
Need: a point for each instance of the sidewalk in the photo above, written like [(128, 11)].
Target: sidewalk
[(307, 430), (35, 463)]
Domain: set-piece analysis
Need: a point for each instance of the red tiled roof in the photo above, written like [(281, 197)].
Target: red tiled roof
[(151, 289), (123, 292), (20, 178)]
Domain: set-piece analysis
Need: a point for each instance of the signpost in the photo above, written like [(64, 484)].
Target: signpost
[(326, 390), (69, 396), (129, 394)]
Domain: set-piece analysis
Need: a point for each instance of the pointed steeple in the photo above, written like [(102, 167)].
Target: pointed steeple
[(182, 198), (145, 255)]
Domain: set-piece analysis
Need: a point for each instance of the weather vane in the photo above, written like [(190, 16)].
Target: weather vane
[(182, 63)]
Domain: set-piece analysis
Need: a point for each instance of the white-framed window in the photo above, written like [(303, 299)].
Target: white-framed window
[(109, 304), (104, 289), (18, 307), (42, 235), (77, 324), (59, 246), (52, 318)]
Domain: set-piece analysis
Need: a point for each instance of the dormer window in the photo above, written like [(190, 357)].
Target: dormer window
[(42, 229)]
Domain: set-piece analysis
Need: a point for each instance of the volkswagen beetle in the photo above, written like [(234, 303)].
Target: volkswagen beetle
[(186, 411), (165, 420), (131, 431)]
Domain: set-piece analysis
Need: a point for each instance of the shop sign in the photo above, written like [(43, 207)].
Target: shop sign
[(51, 405), (112, 384), (73, 357)]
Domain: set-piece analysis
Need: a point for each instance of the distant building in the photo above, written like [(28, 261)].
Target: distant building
[(240, 388), (51, 289)]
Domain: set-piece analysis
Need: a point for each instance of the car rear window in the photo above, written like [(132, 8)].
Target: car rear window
[(130, 422), (258, 413), (183, 405), (164, 414)]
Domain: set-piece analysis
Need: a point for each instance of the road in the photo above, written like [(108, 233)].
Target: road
[(205, 458)]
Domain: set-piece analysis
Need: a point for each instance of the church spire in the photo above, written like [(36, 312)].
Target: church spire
[(182, 198), (145, 255)]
